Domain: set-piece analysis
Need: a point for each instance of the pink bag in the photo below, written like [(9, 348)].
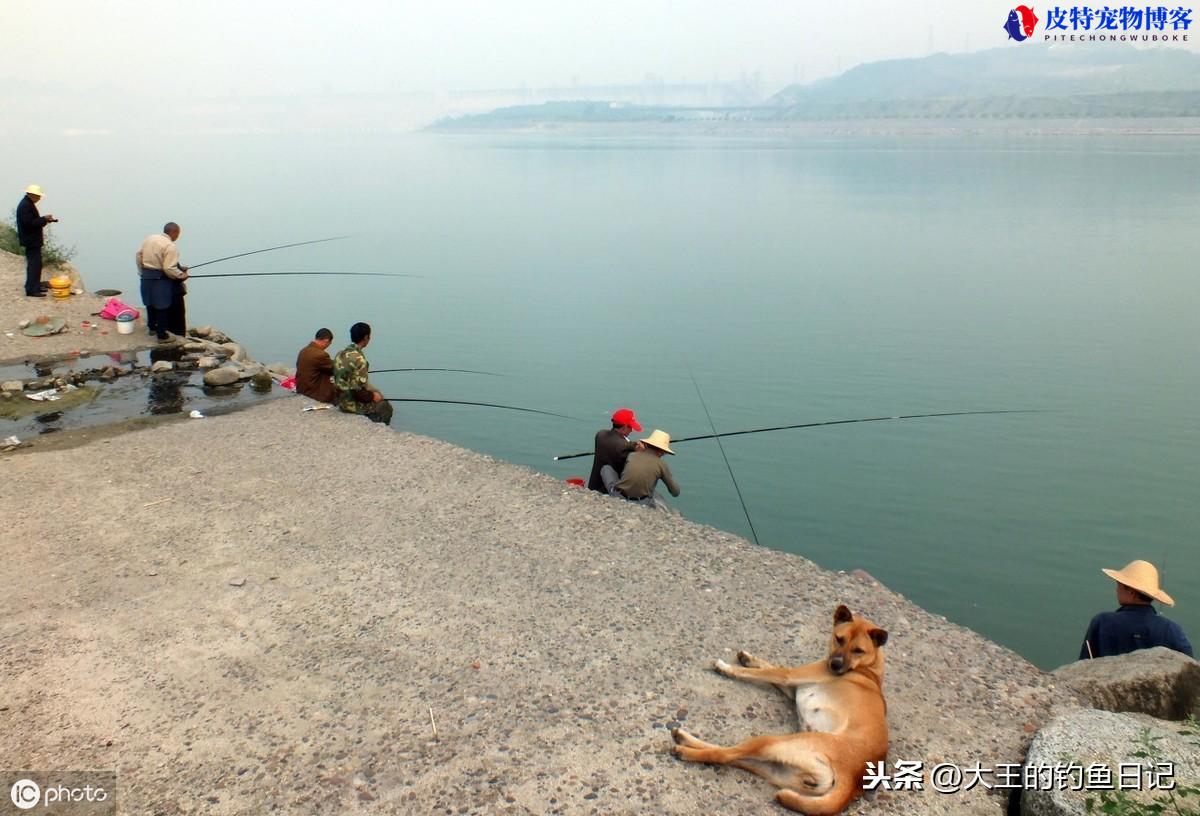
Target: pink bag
[(114, 307), (289, 384)]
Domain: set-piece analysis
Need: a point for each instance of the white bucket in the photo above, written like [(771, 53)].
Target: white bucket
[(125, 323)]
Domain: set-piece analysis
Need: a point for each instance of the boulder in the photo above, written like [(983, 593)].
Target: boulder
[(1097, 744), (225, 375), (161, 365), (207, 362), (261, 381), (12, 386), (251, 369), (201, 331), (236, 352), (218, 336), (195, 347), (1160, 682)]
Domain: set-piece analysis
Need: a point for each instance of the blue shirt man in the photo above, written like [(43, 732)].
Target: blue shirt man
[(1136, 624)]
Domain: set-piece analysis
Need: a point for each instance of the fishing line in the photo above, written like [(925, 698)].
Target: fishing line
[(484, 405), (459, 370), (829, 422), (269, 249), (729, 467)]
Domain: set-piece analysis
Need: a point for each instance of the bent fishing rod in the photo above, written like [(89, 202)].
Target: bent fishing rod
[(484, 405), (728, 466), (299, 272), (457, 370), (269, 249), (822, 424)]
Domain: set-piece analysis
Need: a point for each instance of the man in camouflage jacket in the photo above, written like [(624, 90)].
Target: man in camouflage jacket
[(351, 379)]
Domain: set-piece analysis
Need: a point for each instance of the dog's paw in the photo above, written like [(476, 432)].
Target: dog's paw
[(721, 667), (748, 660), (683, 740)]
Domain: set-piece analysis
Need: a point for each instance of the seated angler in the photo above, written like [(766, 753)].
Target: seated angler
[(1135, 625), (351, 378), (645, 468), (314, 369)]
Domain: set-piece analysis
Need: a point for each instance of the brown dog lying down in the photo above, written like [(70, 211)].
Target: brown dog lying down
[(843, 721)]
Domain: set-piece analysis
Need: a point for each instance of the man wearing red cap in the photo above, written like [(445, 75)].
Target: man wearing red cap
[(613, 448)]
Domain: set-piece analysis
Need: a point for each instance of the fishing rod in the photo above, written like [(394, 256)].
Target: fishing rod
[(268, 249), (828, 422), (298, 272), (728, 466), (459, 370), (483, 405)]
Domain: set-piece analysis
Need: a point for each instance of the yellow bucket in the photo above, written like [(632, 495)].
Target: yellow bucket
[(60, 287)]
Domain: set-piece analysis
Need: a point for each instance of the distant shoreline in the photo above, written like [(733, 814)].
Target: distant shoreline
[(1166, 126)]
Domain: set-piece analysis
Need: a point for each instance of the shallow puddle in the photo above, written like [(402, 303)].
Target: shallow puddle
[(100, 402)]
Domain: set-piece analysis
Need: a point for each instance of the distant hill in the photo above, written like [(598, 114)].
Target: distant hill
[(1019, 81), (1027, 70)]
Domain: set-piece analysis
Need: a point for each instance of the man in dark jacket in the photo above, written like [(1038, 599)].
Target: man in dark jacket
[(314, 369), (613, 447), (1135, 625), (30, 224)]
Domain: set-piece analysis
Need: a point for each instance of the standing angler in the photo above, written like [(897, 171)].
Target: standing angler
[(162, 279), (30, 224), (351, 378)]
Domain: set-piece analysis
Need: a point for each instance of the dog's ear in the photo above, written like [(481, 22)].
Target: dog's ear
[(878, 636), (842, 615)]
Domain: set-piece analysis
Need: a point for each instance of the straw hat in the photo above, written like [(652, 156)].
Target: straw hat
[(1142, 576), (661, 440), (33, 189)]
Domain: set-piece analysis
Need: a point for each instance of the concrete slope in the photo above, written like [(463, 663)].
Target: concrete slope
[(555, 635)]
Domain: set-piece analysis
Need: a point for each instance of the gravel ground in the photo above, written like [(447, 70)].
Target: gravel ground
[(275, 635), (15, 307)]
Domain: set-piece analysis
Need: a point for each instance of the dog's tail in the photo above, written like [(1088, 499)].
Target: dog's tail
[(834, 800)]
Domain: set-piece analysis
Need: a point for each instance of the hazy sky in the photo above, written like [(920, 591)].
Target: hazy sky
[(219, 47)]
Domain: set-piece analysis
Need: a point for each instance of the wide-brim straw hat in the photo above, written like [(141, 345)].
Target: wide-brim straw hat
[(1142, 576), (33, 189), (659, 439)]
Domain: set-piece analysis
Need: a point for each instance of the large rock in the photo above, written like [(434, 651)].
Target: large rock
[(12, 386), (250, 369), (161, 365), (1099, 740), (1160, 682), (207, 362), (236, 352), (225, 375)]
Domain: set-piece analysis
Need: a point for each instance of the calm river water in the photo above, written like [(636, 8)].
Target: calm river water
[(802, 280)]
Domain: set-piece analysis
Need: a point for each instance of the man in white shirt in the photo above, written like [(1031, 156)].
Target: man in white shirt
[(162, 280)]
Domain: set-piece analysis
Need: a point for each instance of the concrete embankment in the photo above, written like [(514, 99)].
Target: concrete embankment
[(270, 611)]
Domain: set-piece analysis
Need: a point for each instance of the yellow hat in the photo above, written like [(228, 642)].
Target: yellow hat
[(33, 189), (1142, 576), (661, 440)]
